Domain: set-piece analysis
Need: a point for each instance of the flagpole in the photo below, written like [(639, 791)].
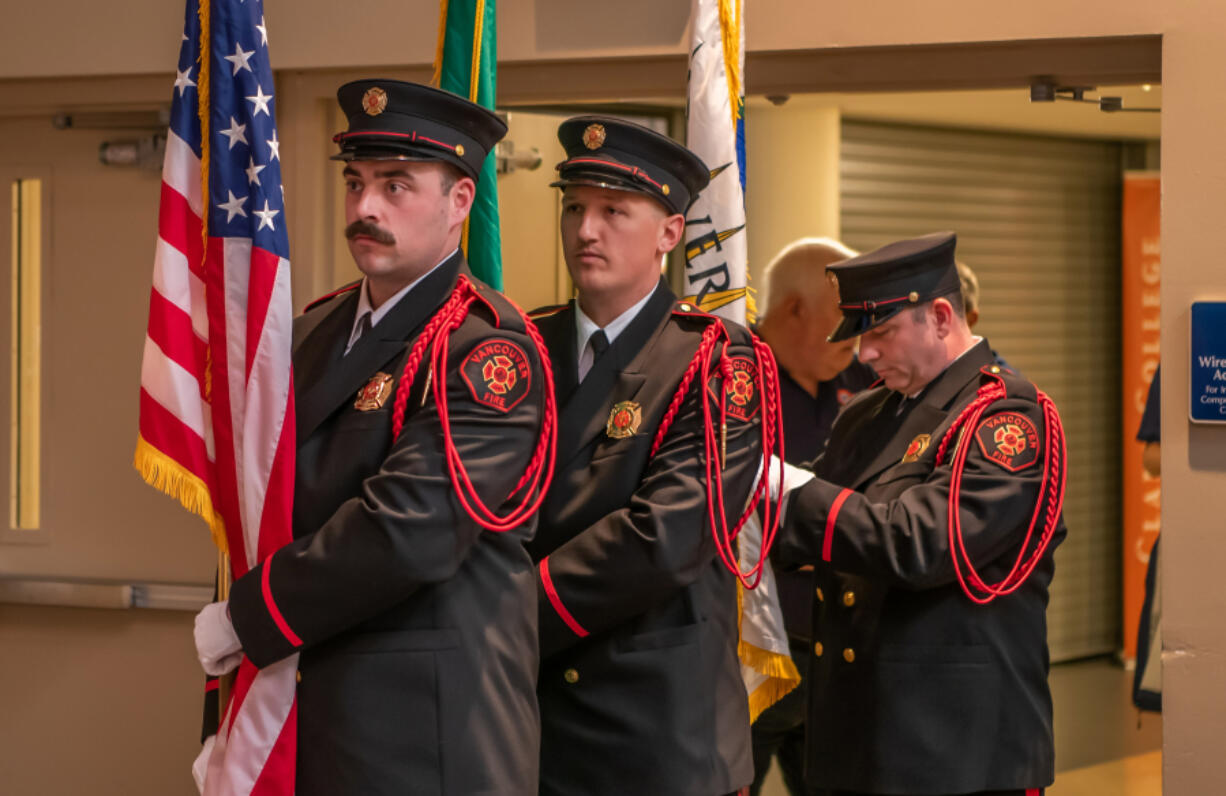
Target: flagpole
[(225, 683)]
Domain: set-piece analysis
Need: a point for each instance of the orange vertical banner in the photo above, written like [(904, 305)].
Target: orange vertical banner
[(1142, 493)]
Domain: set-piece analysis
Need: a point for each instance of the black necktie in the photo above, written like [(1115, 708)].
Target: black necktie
[(363, 328), (599, 342)]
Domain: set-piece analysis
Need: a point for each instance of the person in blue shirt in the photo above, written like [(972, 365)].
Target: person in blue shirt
[(816, 377)]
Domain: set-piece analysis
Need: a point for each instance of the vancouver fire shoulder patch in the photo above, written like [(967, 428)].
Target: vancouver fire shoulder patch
[(1010, 440), (741, 390), (497, 374)]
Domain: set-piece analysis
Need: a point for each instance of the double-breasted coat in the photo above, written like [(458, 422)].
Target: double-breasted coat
[(640, 688), (416, 627), (914, 688)]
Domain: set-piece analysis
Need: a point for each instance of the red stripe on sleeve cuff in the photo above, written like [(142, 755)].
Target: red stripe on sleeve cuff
[(828, 539), (275, 612), (556, 601)]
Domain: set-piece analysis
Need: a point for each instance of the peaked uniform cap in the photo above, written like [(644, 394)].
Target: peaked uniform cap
[(397, 120), (876, 286), (607, 152)]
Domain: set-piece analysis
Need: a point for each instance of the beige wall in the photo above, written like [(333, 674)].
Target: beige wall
[(97, 702), (793, 180), (90, 39)]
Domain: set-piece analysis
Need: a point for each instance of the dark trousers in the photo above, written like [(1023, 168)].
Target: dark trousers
[(780, 732)]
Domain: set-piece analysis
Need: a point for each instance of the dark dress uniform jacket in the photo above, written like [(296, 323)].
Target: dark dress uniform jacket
[(916, 689), (647, 697), (418, 628)]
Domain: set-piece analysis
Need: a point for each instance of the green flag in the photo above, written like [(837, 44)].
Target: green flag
[(466, 63)]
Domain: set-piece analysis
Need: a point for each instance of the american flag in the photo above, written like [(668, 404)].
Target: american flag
[(217, 404)]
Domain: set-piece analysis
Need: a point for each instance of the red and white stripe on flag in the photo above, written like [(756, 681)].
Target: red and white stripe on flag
[(216, 395)]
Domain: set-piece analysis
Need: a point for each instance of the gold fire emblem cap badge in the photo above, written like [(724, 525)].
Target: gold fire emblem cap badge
[(593, 136), (374, 101)]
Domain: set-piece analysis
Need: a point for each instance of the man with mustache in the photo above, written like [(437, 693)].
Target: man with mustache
[(931, 522), (413, 610), (640, 688)]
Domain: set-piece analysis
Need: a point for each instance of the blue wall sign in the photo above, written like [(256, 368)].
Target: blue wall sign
[(1208, 373)]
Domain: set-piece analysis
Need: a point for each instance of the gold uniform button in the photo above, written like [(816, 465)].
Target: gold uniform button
[(571, 676), (820, 597), (849, 655), (817, 649), (995, 368), (298, 676), (849, 598), (686, 307), (459, 150)]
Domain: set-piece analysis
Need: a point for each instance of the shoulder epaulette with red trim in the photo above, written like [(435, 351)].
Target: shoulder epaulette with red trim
[(545, 312), (345, 289), (1014, 385), (689, 309)]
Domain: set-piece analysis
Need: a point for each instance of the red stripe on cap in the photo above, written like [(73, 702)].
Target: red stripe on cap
[(1033, 792), (635, 171), (411, 136), (828, 539), (275, 612), (556, 601), (869, 306)]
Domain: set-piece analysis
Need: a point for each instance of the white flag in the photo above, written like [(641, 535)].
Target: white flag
[(716, 254)]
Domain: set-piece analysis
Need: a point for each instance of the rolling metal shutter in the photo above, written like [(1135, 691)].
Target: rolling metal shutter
[(1038, 220)]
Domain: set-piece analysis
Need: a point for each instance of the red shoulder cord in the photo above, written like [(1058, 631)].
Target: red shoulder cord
[(534, 483), (1049, 502), (713, 449)]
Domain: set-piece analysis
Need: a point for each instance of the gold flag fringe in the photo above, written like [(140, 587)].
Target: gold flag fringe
[(202, 111), (730, 21), (436, 79), (777, 666), (474, 71), (166, 475), (768, 694)]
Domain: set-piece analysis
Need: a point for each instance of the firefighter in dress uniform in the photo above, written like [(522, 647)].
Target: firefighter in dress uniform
[(422, 402), (640, 687), (932, 522)]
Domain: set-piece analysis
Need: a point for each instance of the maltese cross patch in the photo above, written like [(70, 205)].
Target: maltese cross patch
[(497, 374), (1010, 440), (741, 390)]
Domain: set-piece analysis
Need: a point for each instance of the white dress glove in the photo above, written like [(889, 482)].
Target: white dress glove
[(217, 645), (792, 477)]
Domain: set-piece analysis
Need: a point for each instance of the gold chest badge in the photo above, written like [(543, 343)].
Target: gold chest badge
[(916, 448), (375, 393), (624, 419)]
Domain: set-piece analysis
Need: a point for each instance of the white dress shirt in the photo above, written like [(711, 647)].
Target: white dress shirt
[(377, 315), (585, 327)]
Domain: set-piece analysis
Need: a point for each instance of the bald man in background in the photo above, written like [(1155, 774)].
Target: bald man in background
[(816, 378)]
